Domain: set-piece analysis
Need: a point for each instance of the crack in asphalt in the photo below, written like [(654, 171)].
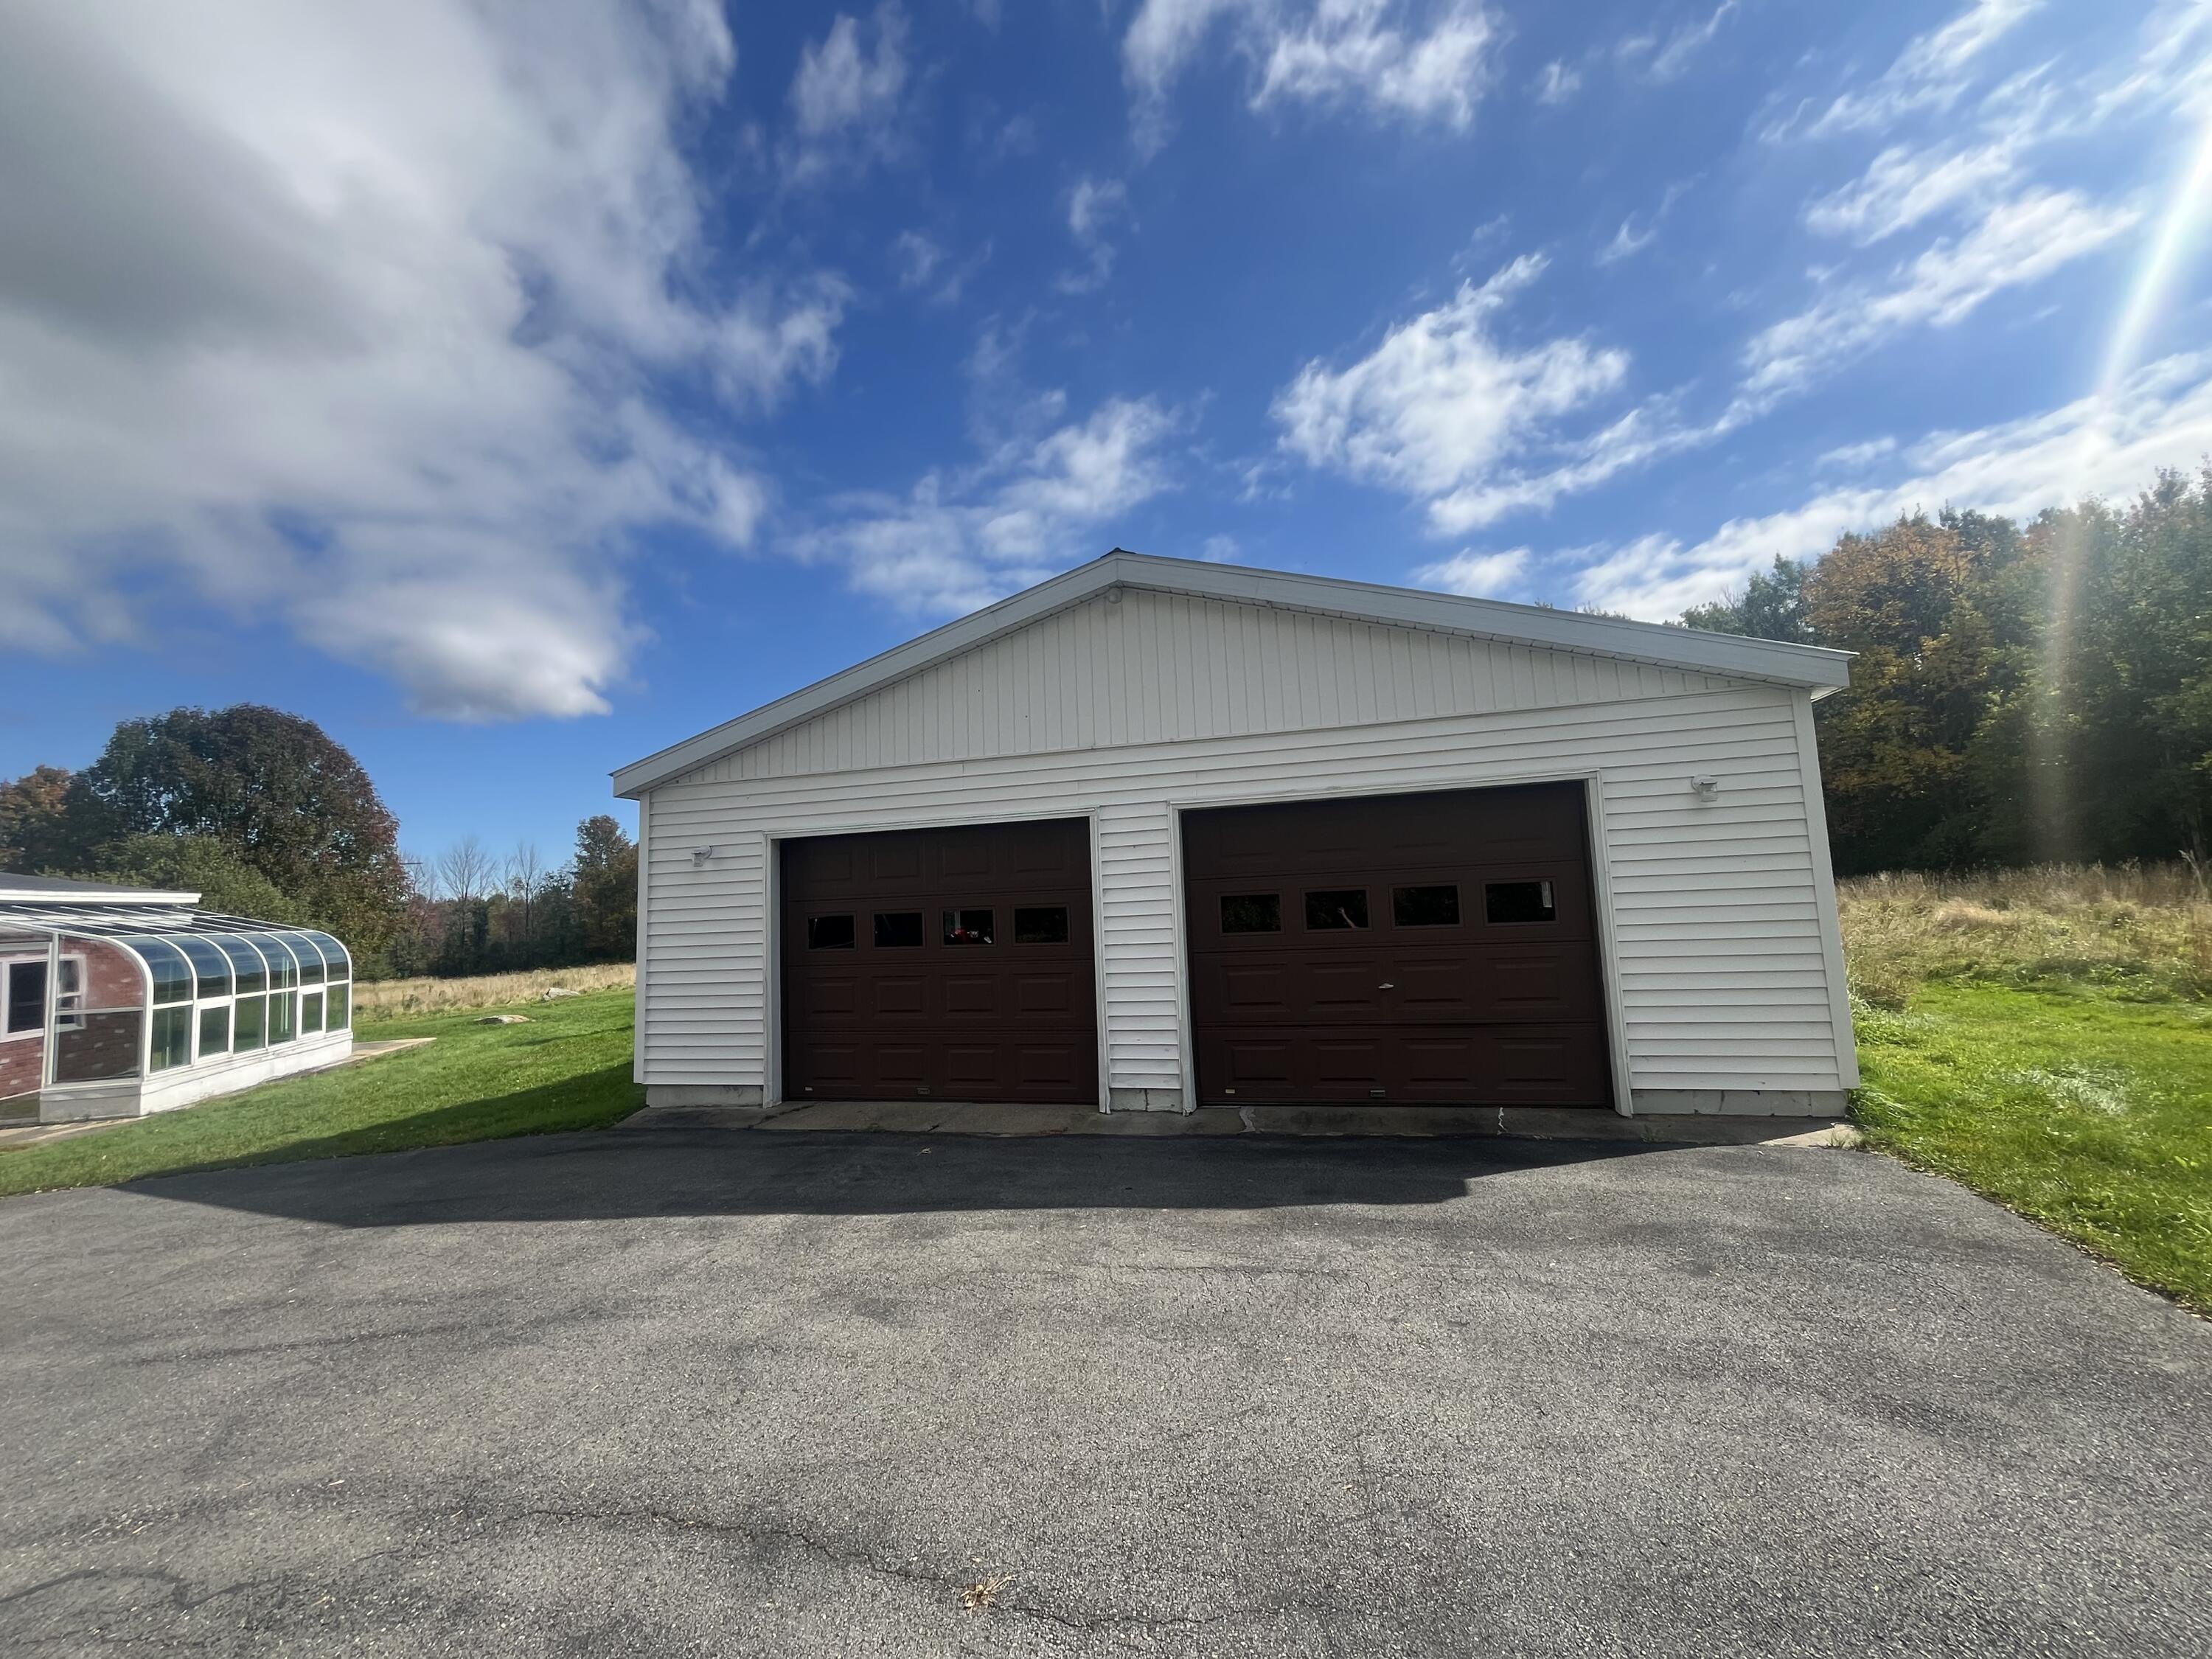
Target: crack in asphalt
[(757, 1532)]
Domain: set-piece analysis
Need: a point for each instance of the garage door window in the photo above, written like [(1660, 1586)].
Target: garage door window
[(1425, 907), (1519, 901), (968, 928), (1336, 907), (1040, 924), (829, 932), (898, 930), (1252, 912)]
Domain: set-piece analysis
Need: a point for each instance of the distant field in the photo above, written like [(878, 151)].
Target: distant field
[(403, 999), (2045, 1036), (2145, 934)]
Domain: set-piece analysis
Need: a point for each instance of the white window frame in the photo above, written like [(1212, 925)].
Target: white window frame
[(7, 966)]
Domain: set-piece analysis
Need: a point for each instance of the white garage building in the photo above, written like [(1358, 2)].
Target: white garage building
[(1155, 835)]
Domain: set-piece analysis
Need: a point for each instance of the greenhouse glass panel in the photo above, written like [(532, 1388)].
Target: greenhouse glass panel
[(282, 970), (310, 958), (171, 1044), (310, 1012), (281, 1007), (211, 967), (251, 1015), (337, 1014), (252, 977), (334, 955), (165, 966)]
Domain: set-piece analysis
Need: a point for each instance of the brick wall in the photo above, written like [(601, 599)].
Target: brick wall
[(23, 1061), (113, 978), (106, 1046)]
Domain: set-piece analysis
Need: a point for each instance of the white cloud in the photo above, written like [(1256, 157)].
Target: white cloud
[(957, 542), (1629, 240), (1858, 454), (845, 97), (923, 263), (1441, 410), (1478, 576), (1370, 53), (1902, 186), (1932, 72), (1557, 82), (361, 323), (1095, 206), (1667, 62), (2018, 241), (2172, 67), (1344, 54), (2161, 417), (1959, 42), (1220, 550), (919, 257)]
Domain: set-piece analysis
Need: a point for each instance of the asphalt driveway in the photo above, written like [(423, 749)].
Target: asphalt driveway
[(678, 1391)]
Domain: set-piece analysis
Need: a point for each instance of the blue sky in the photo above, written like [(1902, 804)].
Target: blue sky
[(515, 388)]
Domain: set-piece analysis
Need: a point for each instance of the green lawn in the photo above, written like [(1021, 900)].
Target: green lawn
[(2086, 1113), (569, 1068)]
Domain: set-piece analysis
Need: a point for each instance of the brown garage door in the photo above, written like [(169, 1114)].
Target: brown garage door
[(1414, 948), (948, 964)]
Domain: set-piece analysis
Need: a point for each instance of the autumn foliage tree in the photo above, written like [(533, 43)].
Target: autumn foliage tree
[(257, 810), (2018, 694)]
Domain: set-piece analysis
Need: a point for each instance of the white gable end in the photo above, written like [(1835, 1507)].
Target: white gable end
[(1146, 666)]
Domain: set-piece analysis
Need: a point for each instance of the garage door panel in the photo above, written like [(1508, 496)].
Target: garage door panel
[(1424, 986), (955, 964), (1545, 1065), (1347, 988), (1053, 1071), (904, 998), (1050, 994), (1434, 947), (1549, 1065), (833, 1062), (1250, 1061), (1356, 1063), (1441, 1066), (971, 995)]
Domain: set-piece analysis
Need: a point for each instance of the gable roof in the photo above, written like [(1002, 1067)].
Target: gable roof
[(1769, 660)]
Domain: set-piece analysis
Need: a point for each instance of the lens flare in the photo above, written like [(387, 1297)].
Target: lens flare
[(2149, 297)]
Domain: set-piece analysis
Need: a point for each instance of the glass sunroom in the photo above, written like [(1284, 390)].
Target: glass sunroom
[(117, 1001)]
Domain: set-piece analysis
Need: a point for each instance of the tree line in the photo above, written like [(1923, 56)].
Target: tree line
[(2022, 693), (263, 815)]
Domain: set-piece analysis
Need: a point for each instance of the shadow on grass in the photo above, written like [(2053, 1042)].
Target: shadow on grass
[(539, 1177), (182, 1144)]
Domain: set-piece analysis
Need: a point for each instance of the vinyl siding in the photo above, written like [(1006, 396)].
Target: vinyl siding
[(1169, 667), (1726, 974)]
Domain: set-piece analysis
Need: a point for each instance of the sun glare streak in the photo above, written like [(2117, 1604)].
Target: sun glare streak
[(2149, 297), (2178, 233)]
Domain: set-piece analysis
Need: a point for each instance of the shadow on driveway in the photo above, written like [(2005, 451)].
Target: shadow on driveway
[(690, 1171)]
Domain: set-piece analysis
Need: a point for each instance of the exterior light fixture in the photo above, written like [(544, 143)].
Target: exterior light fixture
[(1705, 789), (700, 855)]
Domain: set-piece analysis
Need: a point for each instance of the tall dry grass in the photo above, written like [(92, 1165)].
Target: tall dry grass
[(2141, 929), (397, 999)]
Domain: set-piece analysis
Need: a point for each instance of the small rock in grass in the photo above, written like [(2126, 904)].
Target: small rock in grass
[(552, 992), (504, 1019)]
